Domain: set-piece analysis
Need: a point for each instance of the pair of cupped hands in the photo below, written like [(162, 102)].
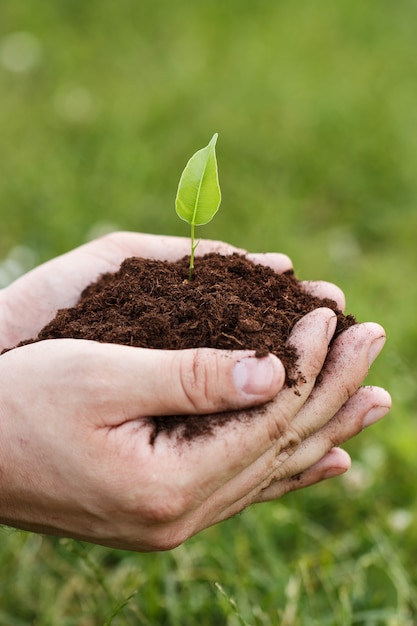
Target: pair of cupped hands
[(75, 452)]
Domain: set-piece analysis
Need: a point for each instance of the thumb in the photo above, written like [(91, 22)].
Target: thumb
[(195, 381)]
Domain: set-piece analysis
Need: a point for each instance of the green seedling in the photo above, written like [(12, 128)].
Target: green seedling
[(198, 196)]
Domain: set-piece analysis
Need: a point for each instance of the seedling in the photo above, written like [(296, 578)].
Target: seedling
[(199, 196)]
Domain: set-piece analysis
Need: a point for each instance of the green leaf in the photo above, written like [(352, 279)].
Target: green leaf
[(198, 196)]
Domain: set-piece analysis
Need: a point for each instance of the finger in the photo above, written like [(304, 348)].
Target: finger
[(199, 381), (322, 289), (280, 263), (367, 406), (148, 382), (310, 350), (344, 371), (334, 463), (311, 462)]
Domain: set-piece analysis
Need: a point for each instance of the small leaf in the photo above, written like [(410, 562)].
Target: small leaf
[(198, 196)]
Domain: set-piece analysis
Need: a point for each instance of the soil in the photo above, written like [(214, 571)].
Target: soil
[(231, 303)]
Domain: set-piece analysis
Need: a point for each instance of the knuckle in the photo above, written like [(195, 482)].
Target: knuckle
[(285, 446), (275, 431), (277, 426), (289, 443), (195, 378)]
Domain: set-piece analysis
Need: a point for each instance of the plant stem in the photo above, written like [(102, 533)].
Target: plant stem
[(193, 247)]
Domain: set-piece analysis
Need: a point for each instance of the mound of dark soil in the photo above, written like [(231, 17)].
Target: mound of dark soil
[(231, 303)]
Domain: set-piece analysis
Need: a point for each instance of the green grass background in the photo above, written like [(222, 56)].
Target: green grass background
[(101, 104)]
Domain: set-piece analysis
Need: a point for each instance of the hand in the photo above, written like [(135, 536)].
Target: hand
[(90, 453)]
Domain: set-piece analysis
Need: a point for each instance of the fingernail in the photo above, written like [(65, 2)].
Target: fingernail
[(254, 376), (332, 472), (375, 348), (375, 414)]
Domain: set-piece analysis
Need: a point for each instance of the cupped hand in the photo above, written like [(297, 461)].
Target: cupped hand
[(76, 452)]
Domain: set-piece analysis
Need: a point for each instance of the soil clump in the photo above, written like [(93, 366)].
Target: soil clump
[(231, 304)]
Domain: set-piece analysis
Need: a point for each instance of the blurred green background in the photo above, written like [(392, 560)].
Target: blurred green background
[(101, 105)]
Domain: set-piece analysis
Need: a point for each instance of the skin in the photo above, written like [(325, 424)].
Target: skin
[(75, 457)]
